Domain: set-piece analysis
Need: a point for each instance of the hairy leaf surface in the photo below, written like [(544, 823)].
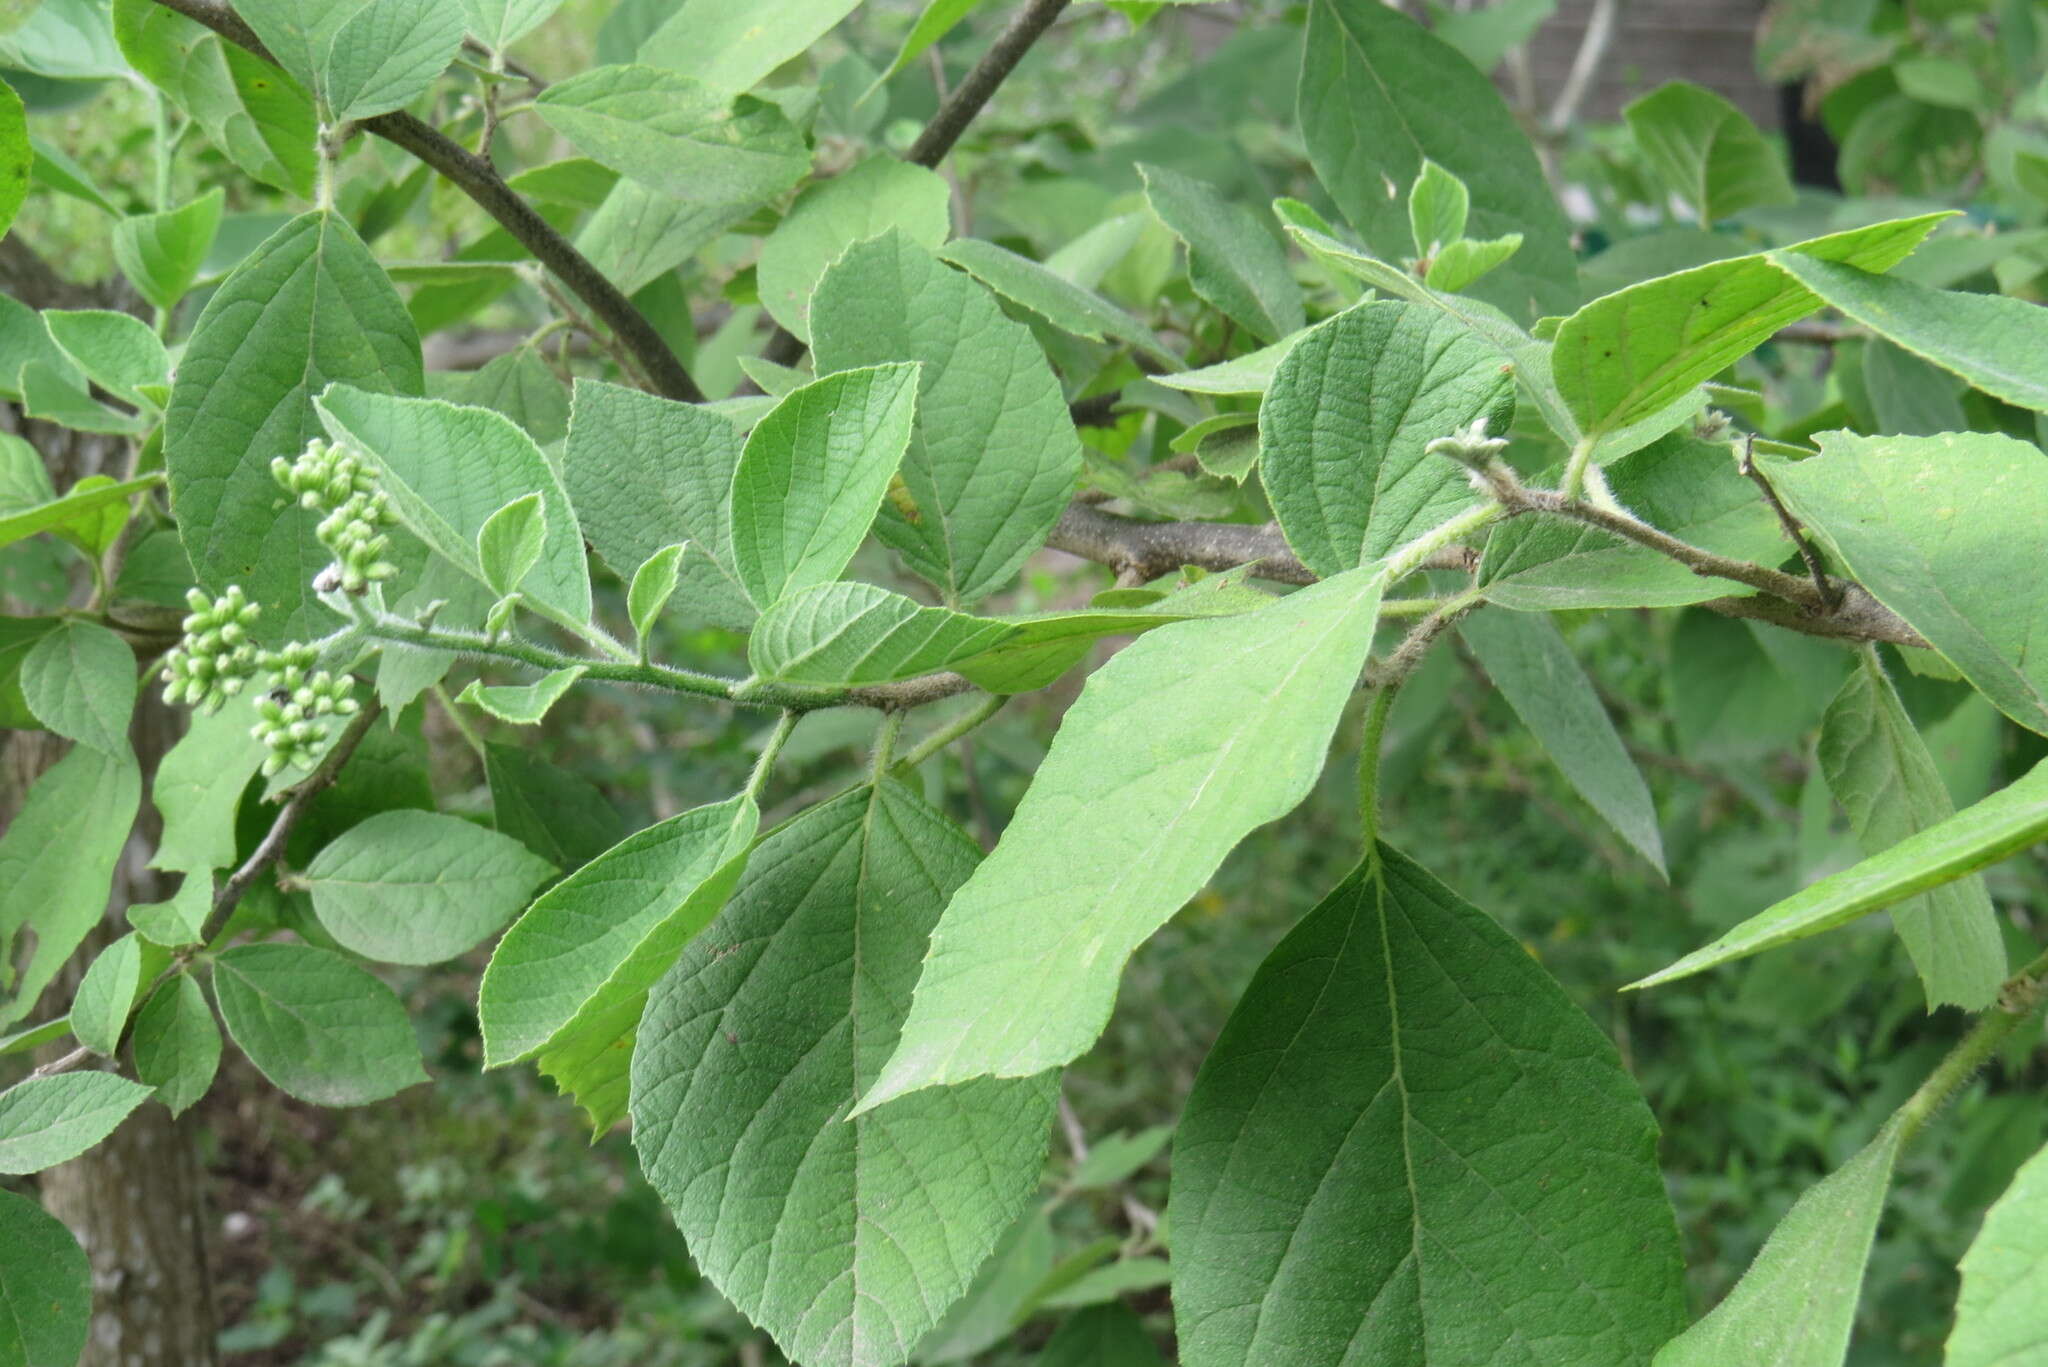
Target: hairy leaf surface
[(1977, 837), (309, 307), (812, 474), (1233, 261), (1797, 1303), (846, 635), (47, 1120), (1529, 662), (1378, 96), (418, 887), (2001, 1317), (994, 456), (845, 1239), (1879, 769), (1345, 422), (315, 1024), (45, 1287), (570, 979), (448, 468), (1950, 532)]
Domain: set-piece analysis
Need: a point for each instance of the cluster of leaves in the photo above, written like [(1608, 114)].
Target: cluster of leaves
[(838, 1039)]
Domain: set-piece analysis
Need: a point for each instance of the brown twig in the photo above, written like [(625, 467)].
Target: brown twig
[(478, 179), (1746, 463), (966, 99), (956, 111)]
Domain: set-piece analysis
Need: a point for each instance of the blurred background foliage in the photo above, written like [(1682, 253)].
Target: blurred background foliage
[(473, 1223)]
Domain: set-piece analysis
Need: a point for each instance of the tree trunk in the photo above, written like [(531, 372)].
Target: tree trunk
[(136, 1202)]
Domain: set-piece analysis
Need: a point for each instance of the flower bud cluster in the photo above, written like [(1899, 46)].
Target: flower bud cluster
[(292, 717), (216, 657), (339, 482), (1480, 455)]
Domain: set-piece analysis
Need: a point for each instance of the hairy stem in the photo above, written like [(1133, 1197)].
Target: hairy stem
[(954, 730), (2017, 1002)]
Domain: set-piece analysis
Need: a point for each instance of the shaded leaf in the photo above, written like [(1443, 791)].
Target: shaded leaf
[(1399, 1031), (315, 1024)]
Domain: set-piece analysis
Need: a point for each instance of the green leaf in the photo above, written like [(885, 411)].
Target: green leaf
[(161, 254), (654, 583), (315, 1024), (812, 475), (1534, 669), (387, 54), (1949, 532), (648, 472), (260, 117), (1109, 1282), (198, 790), (1879, 769), (1679, 484), (844, 1239), (1061, 302), (1487, 34), (180, 919), (1994, 342), (2000, 1317), (500, 23), (1047, 645), (79, 680), (17, 158), (935, 21), (994, 457), (1000, 1297), (508, 544), (307, 307), (1399, 1032), (82, 806), (639, 235), (78, 505), (45, 1287), (1233, 262), (519, 385), (1706, 151), (867, 201), (299, 32), (1114, 1158), (48, 1120), (522, 704), (409, 887), (849, 635), (558, 815), (728, 47), (177, 1043), (1176, 750), (1378, 96), (1460, 263), (1796, 1304), (1627, 355), (447, 469), (95, 533), (677, 135), (1250, 373), (1101, 1336), (1438, 205), (55, 396), (1975, 838), (107, 993), (570, 979), (1345, 422)]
